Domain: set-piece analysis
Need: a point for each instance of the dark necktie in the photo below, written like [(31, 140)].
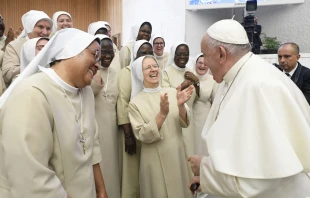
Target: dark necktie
[(288, 74)]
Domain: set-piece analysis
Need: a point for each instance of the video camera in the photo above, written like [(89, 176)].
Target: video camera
[(249, 19)]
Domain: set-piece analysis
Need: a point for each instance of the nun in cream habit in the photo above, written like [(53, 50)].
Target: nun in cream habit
[(157, 116), (105, 106), (140, 31), (202, 104), (61, 20), (130, 149), (158, 43), (54, 149), (257, 131), (30, 49), (173, 76), (100, 27), (11, 58)]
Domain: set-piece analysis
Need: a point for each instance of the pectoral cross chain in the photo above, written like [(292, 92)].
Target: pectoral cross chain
[(83, 140), (105, 95)]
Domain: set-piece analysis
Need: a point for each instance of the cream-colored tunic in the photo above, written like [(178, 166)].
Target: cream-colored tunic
[(115, 63), (171, 77), (164, 170), (162, 60), (201, 108), (41, 154), (108, 129), (2, 41), (130, 163), (11, 60), (125, 54), (2, 84)]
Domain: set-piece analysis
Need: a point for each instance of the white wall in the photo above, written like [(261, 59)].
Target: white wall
[(286, 22), (197, 23), (166, 16)]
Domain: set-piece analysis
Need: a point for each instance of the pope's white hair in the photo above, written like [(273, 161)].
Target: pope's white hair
[(233, 49)]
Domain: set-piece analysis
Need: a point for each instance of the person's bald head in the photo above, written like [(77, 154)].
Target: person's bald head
[(223, 45)]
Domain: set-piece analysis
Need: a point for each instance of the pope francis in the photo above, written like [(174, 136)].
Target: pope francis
[(257, 131)]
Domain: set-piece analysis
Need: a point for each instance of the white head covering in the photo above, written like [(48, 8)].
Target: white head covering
[(95, 26), (30, 19), (137, 76), (102, 36), (28, 52), (155, 36), (65, 44), (172, 52), (135, 48), (135, 30), (228, 31), (201, 77), (55, 18)]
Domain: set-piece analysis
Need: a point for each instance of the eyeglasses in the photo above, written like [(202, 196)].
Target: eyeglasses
[(97, 54), (146, 53), (149, 67), (182, 54), (159, 43), (108, 52)]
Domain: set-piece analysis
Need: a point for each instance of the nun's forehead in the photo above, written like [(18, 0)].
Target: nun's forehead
[(178, 47)]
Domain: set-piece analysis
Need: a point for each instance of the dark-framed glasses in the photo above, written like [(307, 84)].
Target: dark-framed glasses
[(159, 43), (97, 54)]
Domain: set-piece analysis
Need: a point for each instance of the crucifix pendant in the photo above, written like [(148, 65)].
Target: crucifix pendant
[(83, 140), (105, 95)]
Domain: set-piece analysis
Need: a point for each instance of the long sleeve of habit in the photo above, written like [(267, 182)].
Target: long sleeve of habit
[(220, 184), (124, 56), (165, 79), (145, 130), (124, 89), (10, 65), (27, 140), (96, 149)]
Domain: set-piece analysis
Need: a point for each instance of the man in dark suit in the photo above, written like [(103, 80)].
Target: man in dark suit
[(288, 56), (257, 42)]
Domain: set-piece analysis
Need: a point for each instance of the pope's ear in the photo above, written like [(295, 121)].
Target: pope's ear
[(223, 53)]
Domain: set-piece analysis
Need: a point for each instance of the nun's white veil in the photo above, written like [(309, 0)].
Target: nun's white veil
[(30, 19), (65, 44)]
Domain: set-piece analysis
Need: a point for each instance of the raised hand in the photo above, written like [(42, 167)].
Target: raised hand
[(184, 95), (190, 76), (164, 104), (185, 84)]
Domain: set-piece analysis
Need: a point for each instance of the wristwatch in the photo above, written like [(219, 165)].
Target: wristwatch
[(197, 84)]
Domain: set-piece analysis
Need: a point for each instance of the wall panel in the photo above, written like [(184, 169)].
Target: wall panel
[(83, 11)]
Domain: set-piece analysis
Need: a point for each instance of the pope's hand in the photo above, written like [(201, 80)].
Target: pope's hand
[(194, 162), (195, 180), (185, 95)]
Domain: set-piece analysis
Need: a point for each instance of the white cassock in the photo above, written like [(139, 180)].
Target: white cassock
[(258, 136)]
